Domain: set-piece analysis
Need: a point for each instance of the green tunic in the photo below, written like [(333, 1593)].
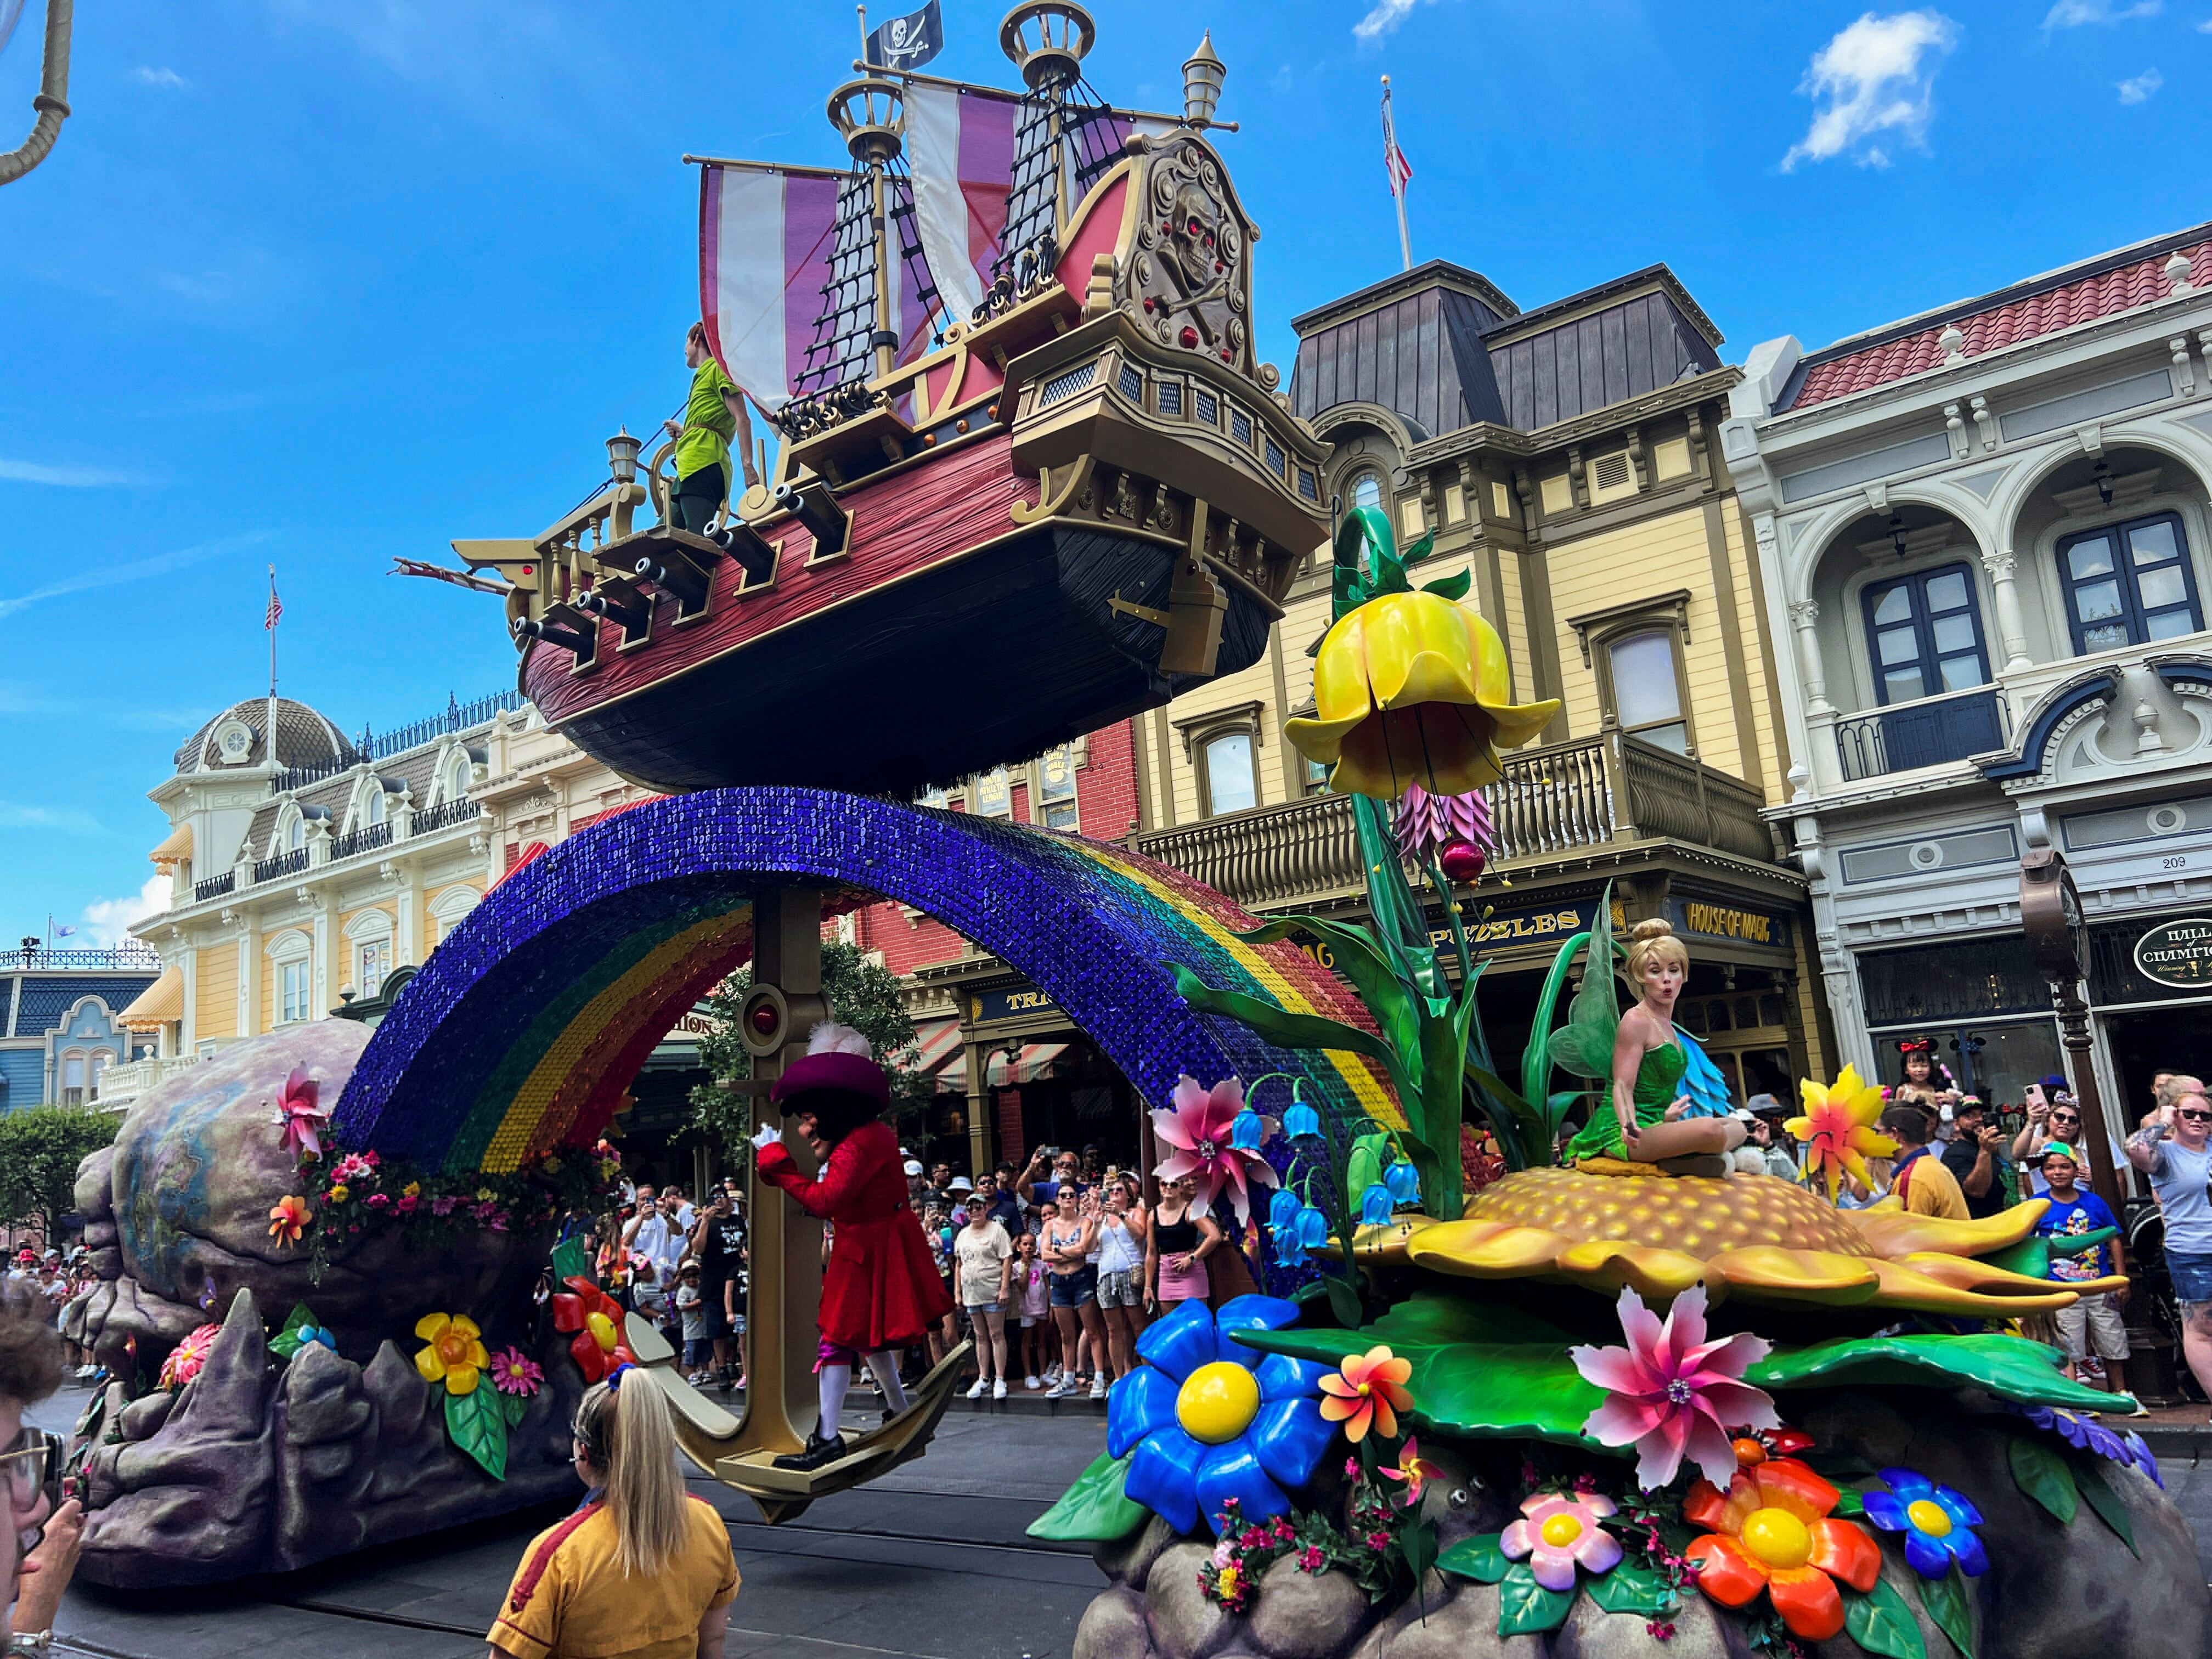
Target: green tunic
[(1658, 1081)]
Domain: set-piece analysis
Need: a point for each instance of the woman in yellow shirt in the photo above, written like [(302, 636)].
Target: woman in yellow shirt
[(644, 1569)]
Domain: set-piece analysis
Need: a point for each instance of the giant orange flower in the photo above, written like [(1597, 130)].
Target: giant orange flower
[(1837, 1128), (1411, 688), (287, 1218), (1772, 1532), (1367, 1391), (456, 1355)]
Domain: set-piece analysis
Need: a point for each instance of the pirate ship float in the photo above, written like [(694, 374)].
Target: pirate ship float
[(1087, 480)]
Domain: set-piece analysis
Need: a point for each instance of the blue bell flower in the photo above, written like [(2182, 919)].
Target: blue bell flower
[(1283, 1207), (1301, 1120), (1313, 1228), (1376, 1204), (1247, 1131), (1404, 1183)]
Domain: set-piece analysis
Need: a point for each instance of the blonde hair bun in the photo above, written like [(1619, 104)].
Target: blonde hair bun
[(1652, 927), (1653, 939)]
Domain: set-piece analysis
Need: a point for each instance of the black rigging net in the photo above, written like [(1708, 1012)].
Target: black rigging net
[(842, 351), (1075, 131)]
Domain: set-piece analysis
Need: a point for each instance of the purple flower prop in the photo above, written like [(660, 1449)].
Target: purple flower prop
[(1426, 822), (2078, 1430), (2140, 1454)]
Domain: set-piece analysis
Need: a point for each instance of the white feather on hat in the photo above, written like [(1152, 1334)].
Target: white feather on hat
[(830, 1038)]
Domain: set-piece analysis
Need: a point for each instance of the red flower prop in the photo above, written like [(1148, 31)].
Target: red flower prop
[(287, 1218), (1198, 1124), (1772, 1532), (1367, 1391), (596, 1319)]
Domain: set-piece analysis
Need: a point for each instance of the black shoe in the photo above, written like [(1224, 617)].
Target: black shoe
[(818, 1453)]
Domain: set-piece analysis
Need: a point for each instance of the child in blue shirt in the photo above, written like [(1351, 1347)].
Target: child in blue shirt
[(2092, 1328)]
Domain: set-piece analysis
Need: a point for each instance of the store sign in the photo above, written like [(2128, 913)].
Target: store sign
[(1016, 1002), (2177, 953), (1706, 919)]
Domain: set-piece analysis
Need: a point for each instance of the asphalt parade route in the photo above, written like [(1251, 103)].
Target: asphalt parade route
[(929, 1561)]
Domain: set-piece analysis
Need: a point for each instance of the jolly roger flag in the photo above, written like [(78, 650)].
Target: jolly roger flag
[(907, 43)]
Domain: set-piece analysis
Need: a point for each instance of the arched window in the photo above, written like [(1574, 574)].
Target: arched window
[(72, 1090), (457, 776), (1367, 489), (295, 832), (376, 806), (1924, 635), (2128, 584), (1647, 688)]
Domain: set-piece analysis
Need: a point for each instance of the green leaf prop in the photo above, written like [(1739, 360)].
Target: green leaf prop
[(1364, 1169), (479, 1427), (288, 1341), (569, 1262), (2041, 1473), (1584, 1044), (1418, 1544), (1946, 1601), (1095, 1510), (1478, 1370), (2011, 1367), (1631, 1588), (1848, 1502), (2089, 1479), (1879, 1622), (1288, 1030), (1343, 1301), (1362, 961), (1525, 1607), (515, 1407), (1453, 587), (1477, 1558)]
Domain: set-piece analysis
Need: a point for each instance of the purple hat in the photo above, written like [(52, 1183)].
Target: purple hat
[(837, 1057)]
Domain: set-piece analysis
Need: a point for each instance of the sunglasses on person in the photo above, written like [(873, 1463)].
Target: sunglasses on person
[(29, 1466), (2195, 1117)]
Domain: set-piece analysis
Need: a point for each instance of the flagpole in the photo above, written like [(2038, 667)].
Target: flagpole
[(1397, 190), (863, 10), (269, 719)]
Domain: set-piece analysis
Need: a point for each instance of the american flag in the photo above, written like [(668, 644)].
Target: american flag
[(1394, 158), (276, 606)]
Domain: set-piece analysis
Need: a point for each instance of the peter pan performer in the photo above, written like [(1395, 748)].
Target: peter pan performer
[(881, 1291)]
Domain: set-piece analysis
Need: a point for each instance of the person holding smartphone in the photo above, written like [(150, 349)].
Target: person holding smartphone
[(2173, 1147), (43, 1534)]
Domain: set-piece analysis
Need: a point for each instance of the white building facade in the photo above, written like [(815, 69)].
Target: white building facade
[(1985, 531)]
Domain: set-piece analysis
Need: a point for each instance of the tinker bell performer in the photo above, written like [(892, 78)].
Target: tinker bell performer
[(1651, 1120), (881, 1291)]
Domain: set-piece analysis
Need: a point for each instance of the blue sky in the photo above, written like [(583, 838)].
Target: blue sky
[(321, 283)]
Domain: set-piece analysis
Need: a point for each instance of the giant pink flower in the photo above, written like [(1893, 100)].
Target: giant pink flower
[(1198, 1122), (1558, 1530), (1674, 1394), (302, 1117), (1427, 823)]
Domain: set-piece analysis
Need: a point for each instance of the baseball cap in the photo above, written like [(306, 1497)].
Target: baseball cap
[(2057, 1149), (913, 1166), (2054, 1081)]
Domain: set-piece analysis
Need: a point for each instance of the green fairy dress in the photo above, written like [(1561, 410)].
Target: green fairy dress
[(1658, 1081)]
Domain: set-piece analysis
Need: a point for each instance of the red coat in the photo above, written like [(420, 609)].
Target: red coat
[(882, 1288)]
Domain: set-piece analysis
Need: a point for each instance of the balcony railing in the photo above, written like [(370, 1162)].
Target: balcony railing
[(1916, 734), (214, 887), (1550, 803), (129, 956), (376, 746), (120, 1085), (366, 839), (284, 863), (443, 817)]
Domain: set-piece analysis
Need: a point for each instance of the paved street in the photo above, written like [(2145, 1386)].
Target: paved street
[(929, 1561)]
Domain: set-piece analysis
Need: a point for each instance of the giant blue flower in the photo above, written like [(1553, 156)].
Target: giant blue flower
[(1210, 1420), (1937, 1522)]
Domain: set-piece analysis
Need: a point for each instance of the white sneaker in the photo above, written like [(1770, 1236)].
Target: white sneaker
[(998, 1389), (1031, 1382), (1052, 1374), (1098, 1385), (976, 1392), (1061, 1389)]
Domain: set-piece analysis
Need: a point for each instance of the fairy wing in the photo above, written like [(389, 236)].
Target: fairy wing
[(1584, 1044), (1702, 1080)]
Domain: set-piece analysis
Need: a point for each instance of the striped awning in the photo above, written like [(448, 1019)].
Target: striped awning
[(1030, 1065), (161, 1003), (176, 847), (940, 1048)]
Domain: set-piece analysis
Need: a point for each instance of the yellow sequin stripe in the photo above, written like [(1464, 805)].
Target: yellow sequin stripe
[(510, 1143), (1375, 1099)]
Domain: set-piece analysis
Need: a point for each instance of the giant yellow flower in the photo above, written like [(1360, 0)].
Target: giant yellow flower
[(1837, 1128), (1411, 688), (456, 1355)]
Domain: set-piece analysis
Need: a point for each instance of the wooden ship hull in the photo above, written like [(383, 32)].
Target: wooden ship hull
[(1073, 509)]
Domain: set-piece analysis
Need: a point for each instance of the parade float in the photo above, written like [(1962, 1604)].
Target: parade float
[(1481, 1403)]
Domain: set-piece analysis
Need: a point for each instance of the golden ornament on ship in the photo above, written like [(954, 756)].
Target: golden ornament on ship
[(1754, 1236), (1409, 689)]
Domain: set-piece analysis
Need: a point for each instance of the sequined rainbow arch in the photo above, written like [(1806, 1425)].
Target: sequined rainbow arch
[(527, 1024)]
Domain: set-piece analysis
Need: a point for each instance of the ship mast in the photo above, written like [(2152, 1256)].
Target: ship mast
[(867, 114), (1047, 40)]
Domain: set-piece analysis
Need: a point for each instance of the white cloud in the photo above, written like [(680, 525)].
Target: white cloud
[(17, 815), (1385, 17), (158, 564), (1878, 75), (66, 477), (146, 76), (107, 921), (2074, 14), (2138, 88)]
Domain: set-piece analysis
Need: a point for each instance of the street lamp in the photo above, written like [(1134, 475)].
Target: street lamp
[(1202, 76), (621, 456)]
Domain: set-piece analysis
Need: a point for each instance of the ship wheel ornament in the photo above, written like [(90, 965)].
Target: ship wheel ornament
[(1187, 283)]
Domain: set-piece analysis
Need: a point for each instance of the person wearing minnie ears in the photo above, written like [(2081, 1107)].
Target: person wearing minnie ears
[(881, 1291), (2173, 1147), (643, 1568)]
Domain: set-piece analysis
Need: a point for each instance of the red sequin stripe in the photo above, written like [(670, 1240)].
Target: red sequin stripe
[(526, 1586)]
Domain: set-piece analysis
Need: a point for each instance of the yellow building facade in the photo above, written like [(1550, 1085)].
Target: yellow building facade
[(1567, 458)]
